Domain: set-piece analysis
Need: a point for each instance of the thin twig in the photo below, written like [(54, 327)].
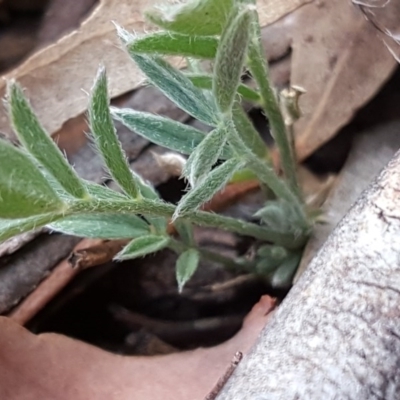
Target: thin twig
[(61, 275), (224, 378)]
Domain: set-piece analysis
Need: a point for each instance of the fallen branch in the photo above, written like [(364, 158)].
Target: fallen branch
[(337, 334)]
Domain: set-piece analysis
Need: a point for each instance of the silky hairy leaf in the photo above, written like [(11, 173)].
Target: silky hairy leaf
[(24, 190), (159, 130), (230, 59), (279, 215), (272, 251), (204, 81), (186, 266), (283, 276), (106, 139), (142, 246), (198, 17), (102, 192), (102, 226), (215, 181), (178, 88), (247, 132), (167, 43), (39, 144), (205, 156), (270, 257), (13, 227), (163, 131), (185, 231)]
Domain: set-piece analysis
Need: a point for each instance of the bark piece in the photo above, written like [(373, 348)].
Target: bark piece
[(337, 334), (372, 150), (21, 272)]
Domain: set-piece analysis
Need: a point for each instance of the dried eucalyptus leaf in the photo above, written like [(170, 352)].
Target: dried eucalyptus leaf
[(199, 17), (167, 43), (186, 266), (229, 61), (102, 226), (106, 139), (178, 88), (24, 190), (214, 181), (39, 144), (142, 246)]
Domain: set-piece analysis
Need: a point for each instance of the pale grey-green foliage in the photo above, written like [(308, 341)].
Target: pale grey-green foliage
[(178, 88), (206, 189), (247, 132), (168, 43), (102, 226), (24, 191), (159, 130), (198, 17), (13, 227), (105, 136), (185, 231), (283, 275), (279, 215), (38, 143), (40, 188), (205, 81), (232, 46), (186, 266), (259, 69), (204, 157), (142, 246)]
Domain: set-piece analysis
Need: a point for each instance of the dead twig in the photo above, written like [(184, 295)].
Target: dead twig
[(224, 378), (49, 287)]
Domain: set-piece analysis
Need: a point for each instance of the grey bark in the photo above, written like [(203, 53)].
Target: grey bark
[(337, 333)]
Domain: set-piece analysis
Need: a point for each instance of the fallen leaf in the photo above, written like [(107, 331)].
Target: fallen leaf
[(341, 63), (384, 15), (58, 77), (51, 366)]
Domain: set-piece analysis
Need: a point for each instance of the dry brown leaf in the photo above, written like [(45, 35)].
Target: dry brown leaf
[(51, 366), (57, 77), (341, 62), (385, 16)]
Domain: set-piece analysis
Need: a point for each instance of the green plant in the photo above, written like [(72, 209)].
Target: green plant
[(39, 188)]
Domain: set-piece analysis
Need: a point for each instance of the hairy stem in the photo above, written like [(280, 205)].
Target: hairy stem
[(259, 69), (201, 218), (238, 264)]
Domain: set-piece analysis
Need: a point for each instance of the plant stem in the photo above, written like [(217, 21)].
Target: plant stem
[(202, 218), (238, 265), (265, 173), (259, 69)]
